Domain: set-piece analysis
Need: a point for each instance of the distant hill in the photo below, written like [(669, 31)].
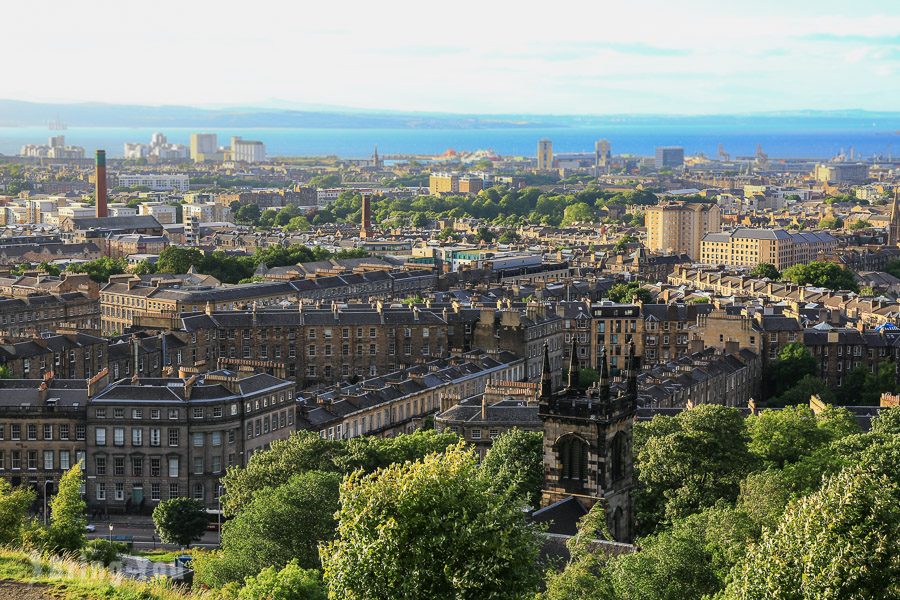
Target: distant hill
[(16, 113)]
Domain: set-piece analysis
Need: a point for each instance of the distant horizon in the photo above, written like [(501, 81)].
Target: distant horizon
[(301, 107)]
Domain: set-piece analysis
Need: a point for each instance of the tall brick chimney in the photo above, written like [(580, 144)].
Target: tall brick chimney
[(100, 176), (365, 231)]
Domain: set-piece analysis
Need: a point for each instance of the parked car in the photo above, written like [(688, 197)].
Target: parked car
[(90, 528)]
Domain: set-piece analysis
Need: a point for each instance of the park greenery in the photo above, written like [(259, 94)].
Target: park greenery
[(498, 205), (784, 503), (180, 520)]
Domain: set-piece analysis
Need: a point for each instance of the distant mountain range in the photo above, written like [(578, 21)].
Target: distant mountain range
[(15, 113)]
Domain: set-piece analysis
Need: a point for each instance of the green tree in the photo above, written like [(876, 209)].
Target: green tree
[(516, 462), (766, 270), (370, 453), (67, 514), (794, 363), (802, 391), (586, 575), (178, 260), (279, 525), (689, 462), (887, 422), (626, 292), (778, 437), (180, 520), (102, 551), (578, 213), (859, 224), (248, 214), (821, 274), (14, 505), (144, 267), (292, 582), (100, 269), (624, 241), (831, 223), (839, 542), (430, 529)]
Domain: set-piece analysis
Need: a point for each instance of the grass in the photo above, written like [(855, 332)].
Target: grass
[(71, 579)]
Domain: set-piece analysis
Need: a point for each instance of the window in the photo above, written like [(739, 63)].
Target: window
[(476, 434), (99, 436), (64, 460), (154, 492), (119, 436), (154, 413), (80, 432), (173, 467), (100, 465), (137, 437), (48, 432), (217, 412), (216, 464), (216, 438), (197, 440), (100, 413), (198, 491), (16, 460), (137, 413), (137, 466), (119, 413), (32, 460), (154, 466), (173, 436), (32, 431), (63, 432), (15, 431), (48, 460), (173, 490), (173, 413), (101, 491), (154, 436), (198, 465), (119, 465), (120, 490)]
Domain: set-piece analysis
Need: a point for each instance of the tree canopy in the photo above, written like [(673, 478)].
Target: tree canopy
[(821, 274), (435, 528)]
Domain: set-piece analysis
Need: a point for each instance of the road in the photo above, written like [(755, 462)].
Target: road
[(144, 534)]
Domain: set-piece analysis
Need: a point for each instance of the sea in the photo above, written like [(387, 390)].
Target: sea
[(779, 138)]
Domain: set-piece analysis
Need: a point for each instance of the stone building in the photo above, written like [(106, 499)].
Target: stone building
[(402, 401), (588, 443), (42, 430), (35, 314), (70, 356), (151, 439)]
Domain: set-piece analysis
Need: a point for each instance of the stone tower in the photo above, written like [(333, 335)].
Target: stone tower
[(588, 442), (894, 227)]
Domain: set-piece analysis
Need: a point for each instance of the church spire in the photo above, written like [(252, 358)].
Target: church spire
[(894, 227), (573, 366), (631, 386), (604, 377), (546, 377)]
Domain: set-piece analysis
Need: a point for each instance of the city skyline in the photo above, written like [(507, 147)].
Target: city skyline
[(693, 58)]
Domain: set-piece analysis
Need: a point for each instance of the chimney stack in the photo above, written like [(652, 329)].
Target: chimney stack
[(100, 189)]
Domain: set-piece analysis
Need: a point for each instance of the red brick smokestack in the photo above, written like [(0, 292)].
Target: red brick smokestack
[(100, 176), (366, 230)]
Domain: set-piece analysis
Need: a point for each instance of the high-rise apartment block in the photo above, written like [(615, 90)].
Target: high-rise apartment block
[(670, 157), (545, 155), (248, 151), (678, 227), (602, 154), (203, 145)]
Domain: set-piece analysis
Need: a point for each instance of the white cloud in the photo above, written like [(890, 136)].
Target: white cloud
[(583, 56)]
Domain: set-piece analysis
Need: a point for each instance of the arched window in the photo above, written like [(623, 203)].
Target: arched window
[(572, 453), (618, 451)]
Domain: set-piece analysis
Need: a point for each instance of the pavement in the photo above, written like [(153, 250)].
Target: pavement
[(143, 532)]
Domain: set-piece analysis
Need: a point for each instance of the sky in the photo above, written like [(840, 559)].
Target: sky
[(575, 57)]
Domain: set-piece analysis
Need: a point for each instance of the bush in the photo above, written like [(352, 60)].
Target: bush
[(103, 551), (290, 583)]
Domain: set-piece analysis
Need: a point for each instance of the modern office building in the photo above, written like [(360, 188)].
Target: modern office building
[(669, 157), (842, 173), (155, 182), (678, 227)]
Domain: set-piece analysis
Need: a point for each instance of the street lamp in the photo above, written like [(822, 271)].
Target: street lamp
[(46, 483), (110, 531), (219, 515)]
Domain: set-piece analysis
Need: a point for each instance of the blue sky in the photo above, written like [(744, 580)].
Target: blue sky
[(576, 57)]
